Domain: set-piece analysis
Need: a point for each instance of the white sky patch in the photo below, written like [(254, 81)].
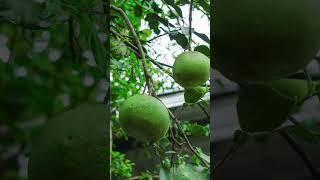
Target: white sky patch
[(165, 50)]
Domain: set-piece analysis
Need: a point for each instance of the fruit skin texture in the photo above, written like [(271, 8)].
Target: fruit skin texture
[(72, 146), (265, 39), (193, 94), (265, 106), (144, 117), (191, 68)]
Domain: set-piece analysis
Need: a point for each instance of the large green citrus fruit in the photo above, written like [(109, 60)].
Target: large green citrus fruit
[(72, 146), (191, 68), (259, 40), (144, 117), (265, 106)]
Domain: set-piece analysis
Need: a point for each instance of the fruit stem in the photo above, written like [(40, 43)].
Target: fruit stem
[(190, 24)]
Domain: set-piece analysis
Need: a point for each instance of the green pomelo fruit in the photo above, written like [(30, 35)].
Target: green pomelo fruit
[(72, 146), (265, 39), (265, 106), (193, 94), (144, 117), (191, 68)]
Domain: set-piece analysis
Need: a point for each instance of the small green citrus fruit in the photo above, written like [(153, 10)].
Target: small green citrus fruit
[(193, 94), (191, 68)]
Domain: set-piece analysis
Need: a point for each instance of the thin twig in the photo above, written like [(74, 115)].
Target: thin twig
[(190, 24), (71, 40), (166, 32), (302, 154), (171, 134), (297, 123), (157, 153), (233, 148), (173, 139), (204, 110), (144, 89), (149, 80), (135, 50), (294, 121), (186, 139)]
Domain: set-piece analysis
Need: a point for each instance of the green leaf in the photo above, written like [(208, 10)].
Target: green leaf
[(138, 10), (180, 39), (189, 171), (88, 28), (164, 174), (184, 172), (203, 37), (156, 8), (52, 8), (304, 134), (151, 17), (178, 10), (203, 49), (169, 2), (205, 4), (203, 155)]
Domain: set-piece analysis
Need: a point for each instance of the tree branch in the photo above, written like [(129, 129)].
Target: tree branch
[(302, 154), (233, 148), (166, 32), (71, 39), (149, 80), (204, 110), (186, 138), (135, 50)]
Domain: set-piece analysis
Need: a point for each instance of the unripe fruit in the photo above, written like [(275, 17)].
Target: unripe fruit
[(265, 106), (144, 117), (191, 68), (72, 146), (194, 94), (265, 39)]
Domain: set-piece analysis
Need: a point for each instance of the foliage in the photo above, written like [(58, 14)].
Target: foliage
[(120, 166), (194, 129), (53, 57), (151, 20)]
